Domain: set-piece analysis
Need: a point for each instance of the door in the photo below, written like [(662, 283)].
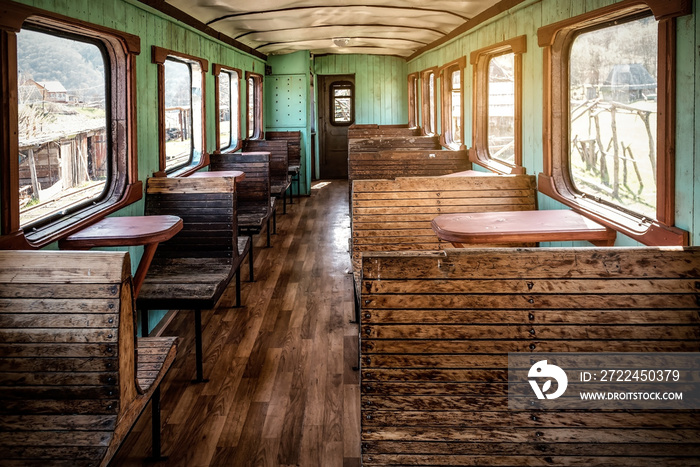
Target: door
[(336, 113)]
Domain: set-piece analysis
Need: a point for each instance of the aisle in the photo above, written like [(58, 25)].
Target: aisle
[(282, 390)]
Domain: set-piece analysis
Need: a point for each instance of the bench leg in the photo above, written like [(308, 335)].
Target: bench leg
[(268, 232), (238, 287), (155, 427), (198, 346), (144, 323), (299, 186), (250, 260), (274, 222)]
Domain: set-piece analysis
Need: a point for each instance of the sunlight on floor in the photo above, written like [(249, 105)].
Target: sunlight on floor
[(320, 185)]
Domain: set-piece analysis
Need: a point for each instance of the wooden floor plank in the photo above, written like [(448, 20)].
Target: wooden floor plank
[(281, 387)]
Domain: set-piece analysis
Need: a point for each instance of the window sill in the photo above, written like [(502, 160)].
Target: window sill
[(494, 165), (68, 225), (648, 232)]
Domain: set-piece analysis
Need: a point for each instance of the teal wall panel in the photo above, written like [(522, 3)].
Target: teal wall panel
[(381, 88)]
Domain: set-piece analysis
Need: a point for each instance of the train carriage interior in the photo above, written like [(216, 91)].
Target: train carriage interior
[(344, 233)]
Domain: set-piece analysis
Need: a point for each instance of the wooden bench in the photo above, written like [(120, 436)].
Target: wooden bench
[(388, 164), (396, 215), (193, 269), (73, 376), (280, 181), (437, 328), (293, 139), (255, 204)]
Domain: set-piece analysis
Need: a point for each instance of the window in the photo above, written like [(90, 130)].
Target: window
[(429, 101), (228, 109), (609, 156), (67, 156), (452, 110), (342, 108), (413, 100), (181, 112), (497, 106), (254, 105)]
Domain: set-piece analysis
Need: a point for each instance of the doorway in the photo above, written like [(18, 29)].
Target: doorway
[(336, 113)]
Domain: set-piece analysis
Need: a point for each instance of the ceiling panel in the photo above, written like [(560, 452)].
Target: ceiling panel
[(394, 27)]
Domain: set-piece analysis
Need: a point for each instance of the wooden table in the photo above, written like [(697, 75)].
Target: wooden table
[(236, 174), (148, 231), (471, 173), (520, 227)]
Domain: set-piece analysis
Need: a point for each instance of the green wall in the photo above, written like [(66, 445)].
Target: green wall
[(287, 104), (525, 19), (155, 28), (381, 89)]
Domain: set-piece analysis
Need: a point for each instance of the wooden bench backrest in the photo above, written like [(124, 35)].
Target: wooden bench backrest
[(255, 187), (436, 330), (395, 215), (67, 360), (377, 143), (405, 163), (207, 207), (373, 130), (279, 157), (293, 139)]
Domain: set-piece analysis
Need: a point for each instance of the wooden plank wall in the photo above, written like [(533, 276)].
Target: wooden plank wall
[(437, 327), (395, 215)]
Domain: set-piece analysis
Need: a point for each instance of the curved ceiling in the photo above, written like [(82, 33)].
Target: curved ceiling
[(384, 27)]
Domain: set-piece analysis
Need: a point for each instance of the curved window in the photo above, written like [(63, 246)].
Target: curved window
[(68, 150), (609, 156), (181, 111), (497, 105), (254, 103), (228, 108), (452, 77), (429, 101), (413, 100)]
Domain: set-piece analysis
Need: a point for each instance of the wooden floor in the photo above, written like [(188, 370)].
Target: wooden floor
[(282, 391)]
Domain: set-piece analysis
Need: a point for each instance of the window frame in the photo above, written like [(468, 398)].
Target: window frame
[(446, 136), (258, 132), (158, 56), (124, 187), (217, 69), (480, 60), (426, 128), (413, 117), (555, 180)]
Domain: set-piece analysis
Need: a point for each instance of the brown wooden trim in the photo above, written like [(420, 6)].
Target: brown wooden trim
[(158, 56), (412, 81), (446, 137), (13, 15), (258, 121), (216, 71), (426, 128), (661, 9), (479, 153), (482, 17), (180, 15), (556, 181), (8, 132)]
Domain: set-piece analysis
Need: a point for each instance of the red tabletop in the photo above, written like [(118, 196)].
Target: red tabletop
[(237, 174), (521, 227), (148, 231)]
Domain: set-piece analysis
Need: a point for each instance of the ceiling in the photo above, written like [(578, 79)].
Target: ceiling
[(383, 27)]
